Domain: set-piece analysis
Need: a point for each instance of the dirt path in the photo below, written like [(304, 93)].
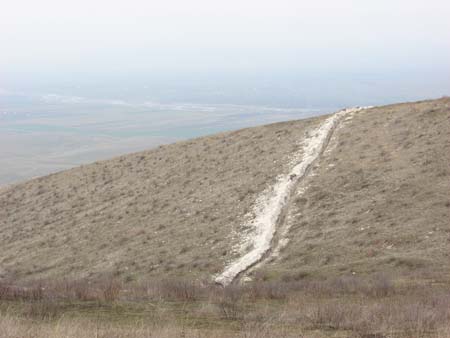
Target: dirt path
[(270, 206)]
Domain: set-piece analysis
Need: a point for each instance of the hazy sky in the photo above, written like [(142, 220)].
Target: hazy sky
[(96, 36)]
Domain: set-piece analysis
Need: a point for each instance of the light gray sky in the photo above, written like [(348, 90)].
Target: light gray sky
[(134, 35)]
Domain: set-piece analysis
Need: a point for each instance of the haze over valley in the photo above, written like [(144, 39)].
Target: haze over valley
[(46, 128)]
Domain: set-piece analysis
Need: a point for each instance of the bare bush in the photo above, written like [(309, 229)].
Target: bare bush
[(267, 290), (111, 290), (42, 310), (365, 307), (228, 302)]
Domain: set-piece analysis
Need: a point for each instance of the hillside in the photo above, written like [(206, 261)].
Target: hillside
[(376, 200), (162, 212)]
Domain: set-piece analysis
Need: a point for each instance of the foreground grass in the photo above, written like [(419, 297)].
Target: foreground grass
[(343, 307)]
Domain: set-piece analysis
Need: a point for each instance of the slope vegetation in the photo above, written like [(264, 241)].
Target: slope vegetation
[(173, 211), (376, 200)]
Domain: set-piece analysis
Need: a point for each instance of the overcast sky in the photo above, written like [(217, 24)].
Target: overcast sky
[(97, 36)]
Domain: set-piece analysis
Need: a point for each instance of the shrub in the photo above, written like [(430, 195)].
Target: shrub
[(111, 290)]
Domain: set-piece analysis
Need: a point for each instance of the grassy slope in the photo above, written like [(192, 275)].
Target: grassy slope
[(164, 212), (379, 201)]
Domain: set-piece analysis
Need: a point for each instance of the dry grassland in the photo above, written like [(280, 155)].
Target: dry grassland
[(127, 247), (378, 200), (170, 211)]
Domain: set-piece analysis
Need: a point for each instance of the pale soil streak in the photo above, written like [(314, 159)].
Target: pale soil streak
[(269, 206)]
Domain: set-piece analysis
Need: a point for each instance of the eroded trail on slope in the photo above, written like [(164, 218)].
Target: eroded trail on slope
[(270, 204)]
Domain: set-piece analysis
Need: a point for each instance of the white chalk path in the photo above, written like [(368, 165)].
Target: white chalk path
[(269, 205)]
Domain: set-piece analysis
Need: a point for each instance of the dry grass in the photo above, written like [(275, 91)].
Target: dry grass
[(341, 307), (379, 200), (168, 211), (367, 257), (15, 328)]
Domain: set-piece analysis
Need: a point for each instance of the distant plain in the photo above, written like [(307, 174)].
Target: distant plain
[(59, 123), (43, 134)]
